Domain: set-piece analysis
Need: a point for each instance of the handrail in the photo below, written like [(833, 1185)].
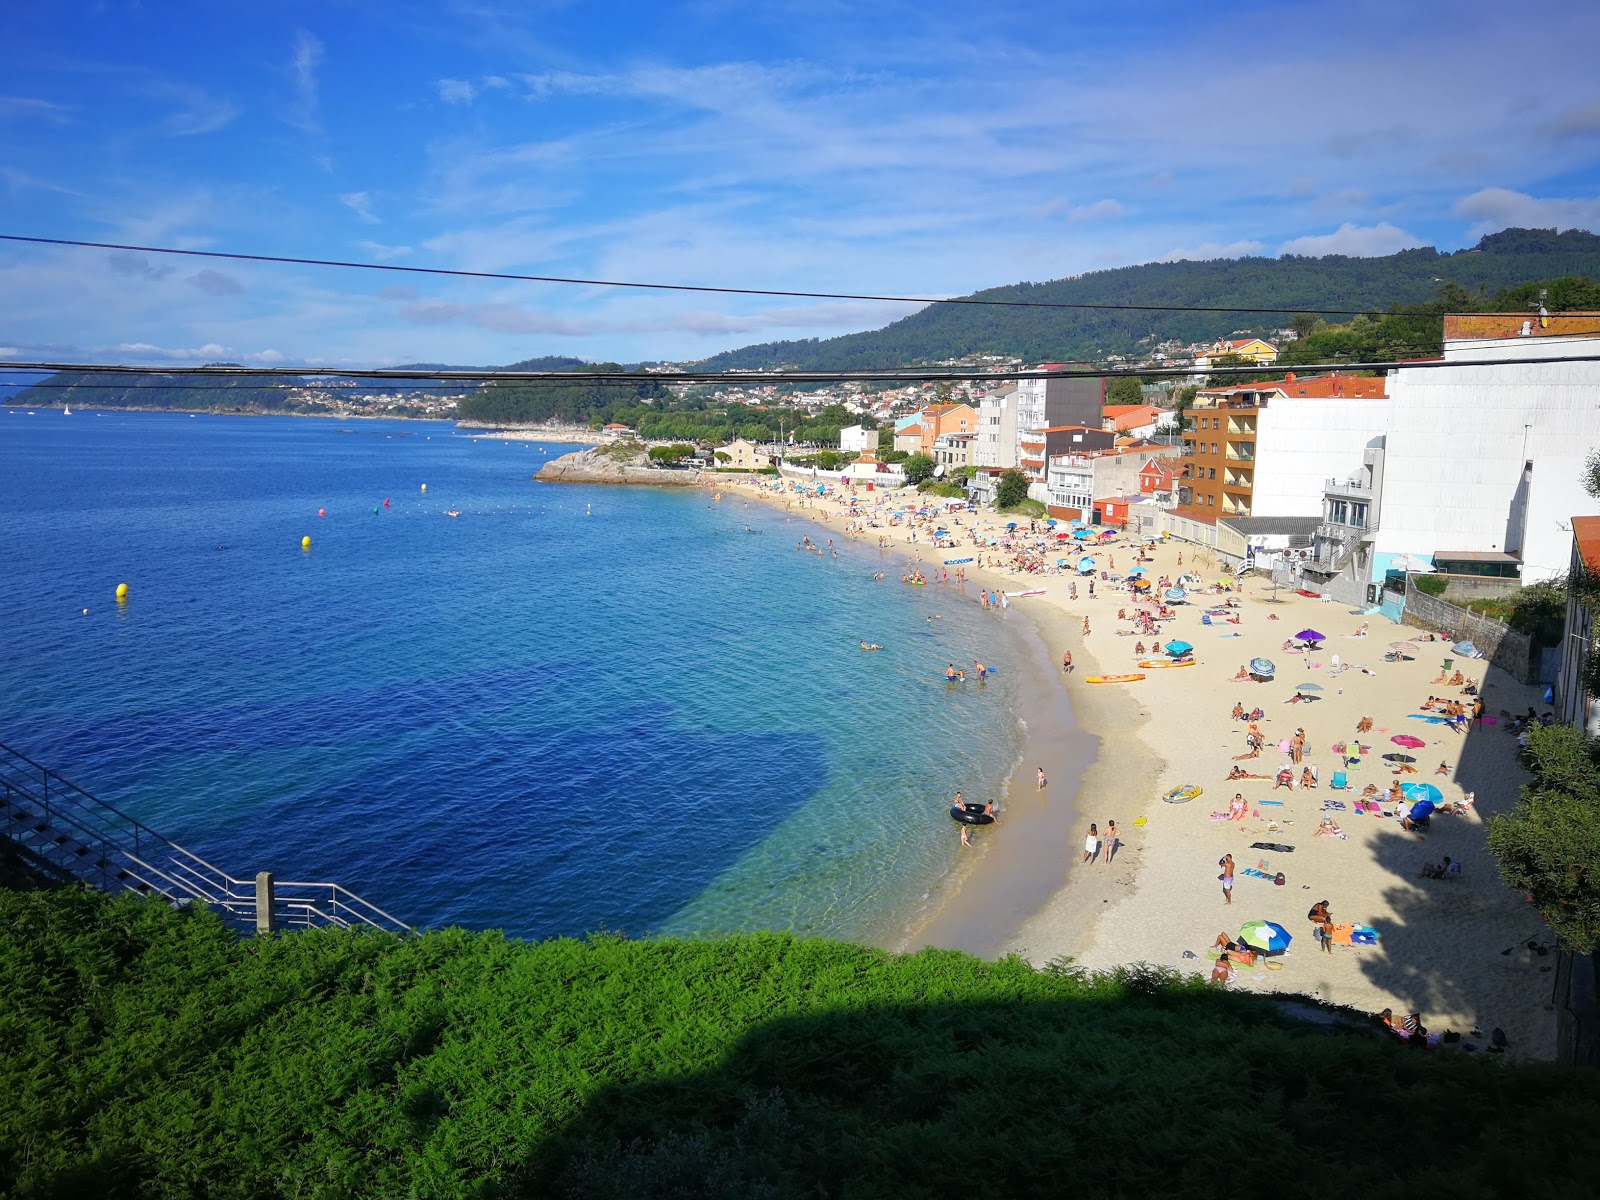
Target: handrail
[(96, 841)]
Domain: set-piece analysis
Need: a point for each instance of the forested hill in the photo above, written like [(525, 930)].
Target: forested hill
[(943, 331)]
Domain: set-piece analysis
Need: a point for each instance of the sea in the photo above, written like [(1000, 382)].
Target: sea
[(568, 709)]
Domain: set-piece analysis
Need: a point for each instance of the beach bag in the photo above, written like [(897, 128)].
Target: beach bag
[(1279, 879)]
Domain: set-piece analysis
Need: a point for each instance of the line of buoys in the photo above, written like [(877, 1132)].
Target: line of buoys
[(305, 543), (122, 591)]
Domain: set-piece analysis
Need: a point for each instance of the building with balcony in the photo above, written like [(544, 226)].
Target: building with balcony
[(1250, 350), (996, 444), (1076, 478), (1046, 401), (953, 450), (1265, 449)]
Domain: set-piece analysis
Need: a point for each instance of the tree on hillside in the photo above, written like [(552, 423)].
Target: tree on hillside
[(1549, 845), (670, 454), (917, 467), (1012, 489), (1124, 390)]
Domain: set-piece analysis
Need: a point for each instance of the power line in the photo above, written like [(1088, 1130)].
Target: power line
[(912, 375), (687, 287)]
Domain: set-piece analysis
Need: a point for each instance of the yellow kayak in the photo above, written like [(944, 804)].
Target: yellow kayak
[(1163, 664), (1112, 678)]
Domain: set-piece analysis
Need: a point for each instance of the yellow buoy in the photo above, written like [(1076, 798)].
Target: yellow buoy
[(305, 543), (122, 591), (424, 487)]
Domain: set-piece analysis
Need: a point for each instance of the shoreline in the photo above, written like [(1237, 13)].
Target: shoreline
[(1024, 864), (1467, 954)]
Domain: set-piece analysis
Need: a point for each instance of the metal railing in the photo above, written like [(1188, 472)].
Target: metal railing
[(70, 833)]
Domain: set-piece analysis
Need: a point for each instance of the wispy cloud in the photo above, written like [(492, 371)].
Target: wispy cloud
[(1098, 211), (383, 253), (16, 108), (1206, 251), (197, 111), (456, 91), (216, 283), (360, 203), (304, 59)]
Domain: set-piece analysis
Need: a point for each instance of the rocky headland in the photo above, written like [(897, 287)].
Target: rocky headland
[(606, 465)]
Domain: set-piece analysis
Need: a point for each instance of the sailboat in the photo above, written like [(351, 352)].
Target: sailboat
[(66, 410)]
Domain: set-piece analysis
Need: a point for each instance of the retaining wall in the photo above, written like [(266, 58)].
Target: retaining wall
[(1505, 648)]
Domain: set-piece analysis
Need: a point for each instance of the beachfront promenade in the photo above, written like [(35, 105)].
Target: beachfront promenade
[(1455, 950)]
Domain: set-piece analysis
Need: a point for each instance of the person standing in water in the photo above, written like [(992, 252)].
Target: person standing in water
[(1042, 780)]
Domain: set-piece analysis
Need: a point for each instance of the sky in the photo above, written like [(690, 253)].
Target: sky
[(923, 148)]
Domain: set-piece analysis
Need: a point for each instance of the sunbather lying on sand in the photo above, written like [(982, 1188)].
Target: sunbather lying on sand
[(1238, 772)]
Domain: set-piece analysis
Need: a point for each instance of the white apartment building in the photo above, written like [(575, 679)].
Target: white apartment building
[(996, 443), (1075, 482), (854, 438)]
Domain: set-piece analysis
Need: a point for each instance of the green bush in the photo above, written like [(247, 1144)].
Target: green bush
[(149, 1053), (939, 487), (917, 467), (1011, 490), (671, 454), (1429, 585)]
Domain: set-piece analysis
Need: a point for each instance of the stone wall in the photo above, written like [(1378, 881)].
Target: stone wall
[(1466, 588), (1512, 652)]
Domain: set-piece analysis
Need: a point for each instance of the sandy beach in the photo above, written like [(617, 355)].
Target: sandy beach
[(1467, 953)]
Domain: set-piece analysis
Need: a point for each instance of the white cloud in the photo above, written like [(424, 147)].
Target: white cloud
[(198, 112), (1580, 121), (456, 91), (1494, 209), (303, 63), (383, 253), (1099, 210), (1206, 251), (360, 203), (1353, 241)]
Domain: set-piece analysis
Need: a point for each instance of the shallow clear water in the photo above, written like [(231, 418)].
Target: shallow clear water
[(572, 708)]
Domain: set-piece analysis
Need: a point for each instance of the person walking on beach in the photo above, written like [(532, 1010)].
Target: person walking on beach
[(1041, 778), (1085, 630), (966, 836), (1091, 846), (1111, 841), (1297, 745), (1226, 863)]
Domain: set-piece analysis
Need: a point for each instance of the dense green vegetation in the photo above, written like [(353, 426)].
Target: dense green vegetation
[(148, 1053), (1011, 490), (1500, 261), (570, 402), (1549, 845), (1538, 610), (158, 390)]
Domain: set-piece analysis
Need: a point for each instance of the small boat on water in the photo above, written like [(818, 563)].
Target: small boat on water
[(66, 410), (1134, 678), (453, 512)]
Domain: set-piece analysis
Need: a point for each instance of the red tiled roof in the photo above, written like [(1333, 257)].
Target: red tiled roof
[(1586, 532), (1317, 387), (1509, 325)]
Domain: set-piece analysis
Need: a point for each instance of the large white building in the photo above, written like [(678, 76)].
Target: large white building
[(854, 438), (1480, 466), (996, 443)]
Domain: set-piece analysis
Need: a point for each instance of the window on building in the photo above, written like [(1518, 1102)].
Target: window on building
[(1358, 514), (1210, 501), (1211, 473), (1337, 512)]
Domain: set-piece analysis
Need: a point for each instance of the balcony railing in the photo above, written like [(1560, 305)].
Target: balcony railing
[(1352, 488)]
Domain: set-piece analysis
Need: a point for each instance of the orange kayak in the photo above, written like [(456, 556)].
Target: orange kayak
[(1162, 665), (1112, 678)]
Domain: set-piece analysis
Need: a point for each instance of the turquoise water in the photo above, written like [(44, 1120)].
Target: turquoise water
[(572, 708)]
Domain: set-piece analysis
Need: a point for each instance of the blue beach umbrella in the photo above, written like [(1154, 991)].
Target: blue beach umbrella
[(1011, 524), (1082, 533), (1086, 563), (1179, 649), (1423, 793), (1175, 593), (1136, 571), (1262, 666), (1266, 936), (1052, 522), (1421, 810)]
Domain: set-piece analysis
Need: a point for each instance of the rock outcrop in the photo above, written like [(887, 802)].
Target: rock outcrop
[(597, 466)]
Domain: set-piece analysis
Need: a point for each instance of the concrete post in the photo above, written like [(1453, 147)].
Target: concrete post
[(266, 909)]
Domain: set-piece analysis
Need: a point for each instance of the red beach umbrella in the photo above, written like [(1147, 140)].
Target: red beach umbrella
[(1406, 740)]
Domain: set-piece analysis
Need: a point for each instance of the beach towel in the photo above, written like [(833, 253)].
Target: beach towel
[(1279, 847), (1354, 935), (1431, 720), (1369, 806), (1273, 803), (1333, 806), (1284, 746)]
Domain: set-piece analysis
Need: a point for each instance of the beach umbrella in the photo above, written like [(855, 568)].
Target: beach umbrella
[(1403, 647), (1266, 936), (1179, 649), (1308, 687), (1311, 635), (1052, 522), (1421, 809), (1406, 740), (1141, 585), (1399, 758), (1175, 594), (1108, 533), (1062, 537), (1425, 793), (1082, 533), (1011, 524), (1077, 521), (1086, 563), (1262, 666), (1136, 572)]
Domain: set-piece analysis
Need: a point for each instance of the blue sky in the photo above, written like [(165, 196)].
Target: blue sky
[(927, 148)]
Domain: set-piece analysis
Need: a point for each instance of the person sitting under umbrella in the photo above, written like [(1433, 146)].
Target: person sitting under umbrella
[(1395, 794), (1242, 675)]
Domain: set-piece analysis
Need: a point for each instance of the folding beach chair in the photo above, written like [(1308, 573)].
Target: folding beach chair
[(1340, 780)]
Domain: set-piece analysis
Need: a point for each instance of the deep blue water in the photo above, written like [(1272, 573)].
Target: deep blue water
[(572, 708)]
